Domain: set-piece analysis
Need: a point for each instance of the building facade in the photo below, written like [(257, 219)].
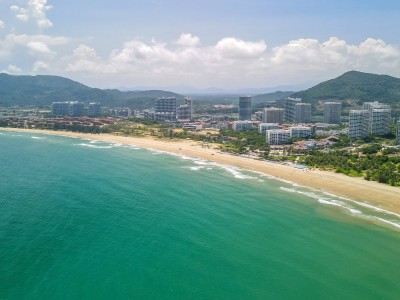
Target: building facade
[(71, 108), (94, 109), (277, 136), (273, 115), (300, 132), (358, 124), (165, 105), (263, 127), (332, 112), (302, 113), (242, 125), (185, 111), (380, 120), (245, 108), (290, 104)]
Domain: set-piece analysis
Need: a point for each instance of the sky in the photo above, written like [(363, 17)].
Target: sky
[(229, 44)]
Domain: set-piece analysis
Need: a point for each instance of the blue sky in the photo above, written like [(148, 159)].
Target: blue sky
[(228, 44)]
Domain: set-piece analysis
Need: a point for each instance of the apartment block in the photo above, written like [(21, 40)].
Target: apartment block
[(273, 115), (332, 112)]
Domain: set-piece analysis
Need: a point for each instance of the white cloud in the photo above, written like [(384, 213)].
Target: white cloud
[(2, 24), (229, 63), (12, 70), (34, 9), (188, 40), (40, 66)]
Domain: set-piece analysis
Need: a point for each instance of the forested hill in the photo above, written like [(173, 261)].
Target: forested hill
[(43, 90), (355, 85)]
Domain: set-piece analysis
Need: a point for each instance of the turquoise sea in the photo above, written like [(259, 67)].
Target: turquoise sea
[(81, 219)]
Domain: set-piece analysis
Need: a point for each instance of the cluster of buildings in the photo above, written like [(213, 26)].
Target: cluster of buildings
[(75, 109), (166, 109), (375, 119)]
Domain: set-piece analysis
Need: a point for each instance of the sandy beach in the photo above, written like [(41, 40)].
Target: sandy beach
[(379, 195)]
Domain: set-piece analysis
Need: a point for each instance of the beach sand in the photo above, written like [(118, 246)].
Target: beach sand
[(374, 193)]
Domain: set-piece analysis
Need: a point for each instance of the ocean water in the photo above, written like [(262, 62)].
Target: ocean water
[(81, 219)]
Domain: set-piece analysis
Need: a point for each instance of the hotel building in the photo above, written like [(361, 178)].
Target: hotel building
[(278, 136), (185, 111), (242, 125), (290, 109), (300, 132), (358, 124), (263, 127), (332, 112), (94, 109), (245, 108), (273, 115)]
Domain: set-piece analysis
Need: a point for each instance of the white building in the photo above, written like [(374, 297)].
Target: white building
[(380, 117), (332, 112), (302, 113), (358, 124), (301, 132), (277, 136), (94, 109), (263, 127), (273, 115), (242, 125)]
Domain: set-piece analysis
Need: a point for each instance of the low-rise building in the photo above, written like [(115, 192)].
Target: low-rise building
[(263, 127), (242, 125), (278, 136), (301, 132)]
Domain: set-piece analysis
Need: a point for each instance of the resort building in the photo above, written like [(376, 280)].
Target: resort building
[(380, 117), (242, 125), (380, 120), (273, 115), (300, 132), (358, 124), (245, 108), (302, 113), (60, 108), (185, 111), (71, 108), (278, 136), (290, 104), (332, 112), (94, 109), (263, 127), (166, 105)]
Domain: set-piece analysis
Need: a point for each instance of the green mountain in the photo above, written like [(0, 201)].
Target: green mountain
[(355, 85), (43, 90)]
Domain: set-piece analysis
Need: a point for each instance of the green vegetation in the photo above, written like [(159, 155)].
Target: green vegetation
[(355, 85), (381, 168), (43, 90)]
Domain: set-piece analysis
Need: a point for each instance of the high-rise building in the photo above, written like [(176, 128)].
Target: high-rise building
[(273, 115), (94, 109), (245, 108), (76, 109), (71, 108), (165, 105), (358, 124), (379, 117), (185, 111), (332, 112), (380, 120), (302, 113), (60, 108), (290, 104)]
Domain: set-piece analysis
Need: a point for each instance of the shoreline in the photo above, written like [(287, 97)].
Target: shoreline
[(382, 196)]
